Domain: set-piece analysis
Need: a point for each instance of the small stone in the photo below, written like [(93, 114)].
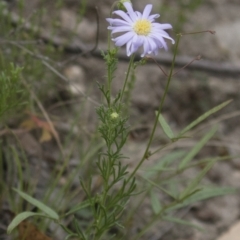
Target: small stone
[(76, 76), (226, 41)]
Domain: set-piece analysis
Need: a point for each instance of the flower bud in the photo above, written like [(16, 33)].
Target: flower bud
[(114, 115), (121, 5)]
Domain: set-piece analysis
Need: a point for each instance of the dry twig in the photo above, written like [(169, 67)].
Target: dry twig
[(78, 47)]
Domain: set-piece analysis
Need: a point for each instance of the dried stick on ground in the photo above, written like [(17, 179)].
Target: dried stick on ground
[(78, 47)]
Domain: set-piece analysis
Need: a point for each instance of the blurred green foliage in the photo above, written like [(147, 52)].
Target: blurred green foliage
[(178, 11), (12, 93)]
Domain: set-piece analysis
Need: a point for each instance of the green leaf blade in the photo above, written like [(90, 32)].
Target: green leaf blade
[(166, 128), (205, 193), (194, 183), (196, 149), (50, 213), (203, 117), (155, 202), (180, 221), (78, 207), (21, 217)]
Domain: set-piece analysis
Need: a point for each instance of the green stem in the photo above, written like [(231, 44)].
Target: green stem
[(109, 83), (154, 219), (158, 113), (127, 75)]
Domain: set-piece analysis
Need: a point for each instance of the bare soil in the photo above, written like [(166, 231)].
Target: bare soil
[(192, 93)]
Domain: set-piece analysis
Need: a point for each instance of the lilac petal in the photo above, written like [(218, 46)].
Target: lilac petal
[(158, 42), (139, 15), (117, 22), (137, 41), (128, 46), (121, 40), (147, 11), (159, 32), (161, 42), (123, 26), (146, 47), (163, 25), (134, 48), (123, 15), (130, 11), (151, 18), (166, 26), (128, 6), (120, 29), (167, 37), (156, 51), (153, 45)]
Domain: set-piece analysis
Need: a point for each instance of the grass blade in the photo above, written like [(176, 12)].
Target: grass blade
[(203, 117), (180, 221), (21, 217), (155, 202), (50, 213), (204, 194), (78, 207), (166, 128), (196, 149), (195, 182), (164, 162)]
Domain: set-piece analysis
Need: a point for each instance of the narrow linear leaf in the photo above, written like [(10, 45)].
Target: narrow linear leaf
[(196, 149), (78, 207), (21, 217), (159, 187), (204, 194), (182, 222), (156, 206), (50, 213), (166, 128), (203, 117), (80, 233), (164, 162), (67, 230), (194, 183)]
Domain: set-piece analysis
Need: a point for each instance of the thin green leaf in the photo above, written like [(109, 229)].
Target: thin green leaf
[(67, 230), (169, 158), (166, 128), (172, 186), (160, 188), (70, 236), (80, 233), (180, 221), (195, 182), (50, 213), (21, 217), (204, 194), (196, 148), (78, 207), (155, 202), (164, 162), (203, 117)]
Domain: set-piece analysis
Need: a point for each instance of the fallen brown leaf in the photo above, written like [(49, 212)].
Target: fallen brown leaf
[(28, 231), (35, 122)]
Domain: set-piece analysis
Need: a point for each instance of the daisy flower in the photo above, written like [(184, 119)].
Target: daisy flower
[(138, 30)]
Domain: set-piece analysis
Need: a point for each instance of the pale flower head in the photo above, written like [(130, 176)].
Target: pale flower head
[(138, 30), (114, 115)]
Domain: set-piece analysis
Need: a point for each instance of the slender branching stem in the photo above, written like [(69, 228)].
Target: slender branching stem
[(146, 153), (127, 75)]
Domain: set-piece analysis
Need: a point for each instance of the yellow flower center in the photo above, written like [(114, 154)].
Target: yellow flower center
[(142, 27)]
